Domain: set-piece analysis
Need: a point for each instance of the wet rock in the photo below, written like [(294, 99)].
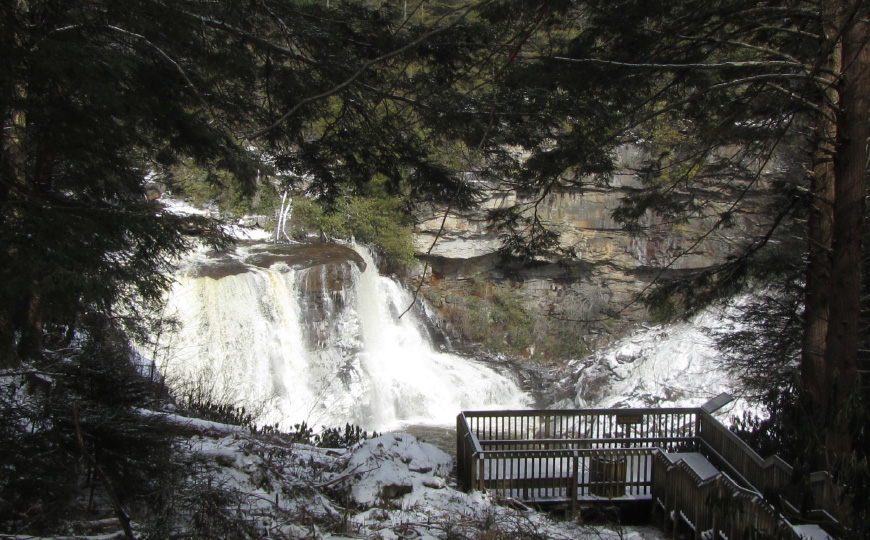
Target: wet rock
[(253, 220), (304, 256), (325, 266), (219, 267)]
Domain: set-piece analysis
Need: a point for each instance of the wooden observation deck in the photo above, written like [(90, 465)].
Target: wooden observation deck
[(683, 461)]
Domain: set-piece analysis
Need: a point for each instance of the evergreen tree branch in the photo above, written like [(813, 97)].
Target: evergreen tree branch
[(464, 12), (749, 64), (169, 59), (259, 40), (800, 99), (746, 46)]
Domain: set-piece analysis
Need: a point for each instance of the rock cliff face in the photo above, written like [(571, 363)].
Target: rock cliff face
[(569, 300)]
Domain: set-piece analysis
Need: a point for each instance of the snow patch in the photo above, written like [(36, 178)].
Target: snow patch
[(240, 232), (183, 208)]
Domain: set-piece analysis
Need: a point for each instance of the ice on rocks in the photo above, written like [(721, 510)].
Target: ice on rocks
[(660, 366)]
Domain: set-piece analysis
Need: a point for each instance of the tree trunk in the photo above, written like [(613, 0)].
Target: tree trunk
[(841, 352), (816, 300), (819, 230)]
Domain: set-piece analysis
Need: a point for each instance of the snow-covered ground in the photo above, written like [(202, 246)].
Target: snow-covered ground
[(389, 487), (236, 230)]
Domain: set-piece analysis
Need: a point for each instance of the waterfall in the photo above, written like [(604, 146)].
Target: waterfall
[(313, 334)]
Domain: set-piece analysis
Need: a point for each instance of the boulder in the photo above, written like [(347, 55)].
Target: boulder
[(395, 467)]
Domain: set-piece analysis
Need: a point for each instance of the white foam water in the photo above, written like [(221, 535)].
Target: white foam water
[(292, 346)]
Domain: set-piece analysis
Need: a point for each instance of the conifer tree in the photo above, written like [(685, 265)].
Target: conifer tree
[(97, 96), (727, 97)]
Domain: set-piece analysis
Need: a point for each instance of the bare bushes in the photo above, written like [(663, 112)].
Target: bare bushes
[(208, 398), (511, 319)]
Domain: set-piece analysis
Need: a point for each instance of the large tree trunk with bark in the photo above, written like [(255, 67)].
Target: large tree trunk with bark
[(819, 228), (844, 286)]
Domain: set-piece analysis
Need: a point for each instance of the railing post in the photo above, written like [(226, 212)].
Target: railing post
[(713, 514), (575, 481), (481, 475), (669, 497), (461, 455)]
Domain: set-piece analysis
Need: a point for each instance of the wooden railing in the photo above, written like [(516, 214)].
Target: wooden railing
[(772, 476), (570, 456), (713, 507), (595, 427)]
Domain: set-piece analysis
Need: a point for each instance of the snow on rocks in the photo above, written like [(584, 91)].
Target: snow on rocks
[(241, 232), (246, 227), (396, 466), (662, 366), (402, 487), (183, 208)]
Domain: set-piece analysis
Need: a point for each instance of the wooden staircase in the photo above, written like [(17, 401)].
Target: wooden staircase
[(690, 493)]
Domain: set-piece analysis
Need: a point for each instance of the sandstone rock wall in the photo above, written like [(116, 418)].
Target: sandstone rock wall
[(593, 297)]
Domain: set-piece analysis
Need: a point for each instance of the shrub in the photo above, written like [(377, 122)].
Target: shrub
[(497, 319), (91, 414), (380, 221), (334, 438)]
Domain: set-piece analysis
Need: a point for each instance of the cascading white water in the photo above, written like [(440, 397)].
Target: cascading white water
[(321, 343)]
